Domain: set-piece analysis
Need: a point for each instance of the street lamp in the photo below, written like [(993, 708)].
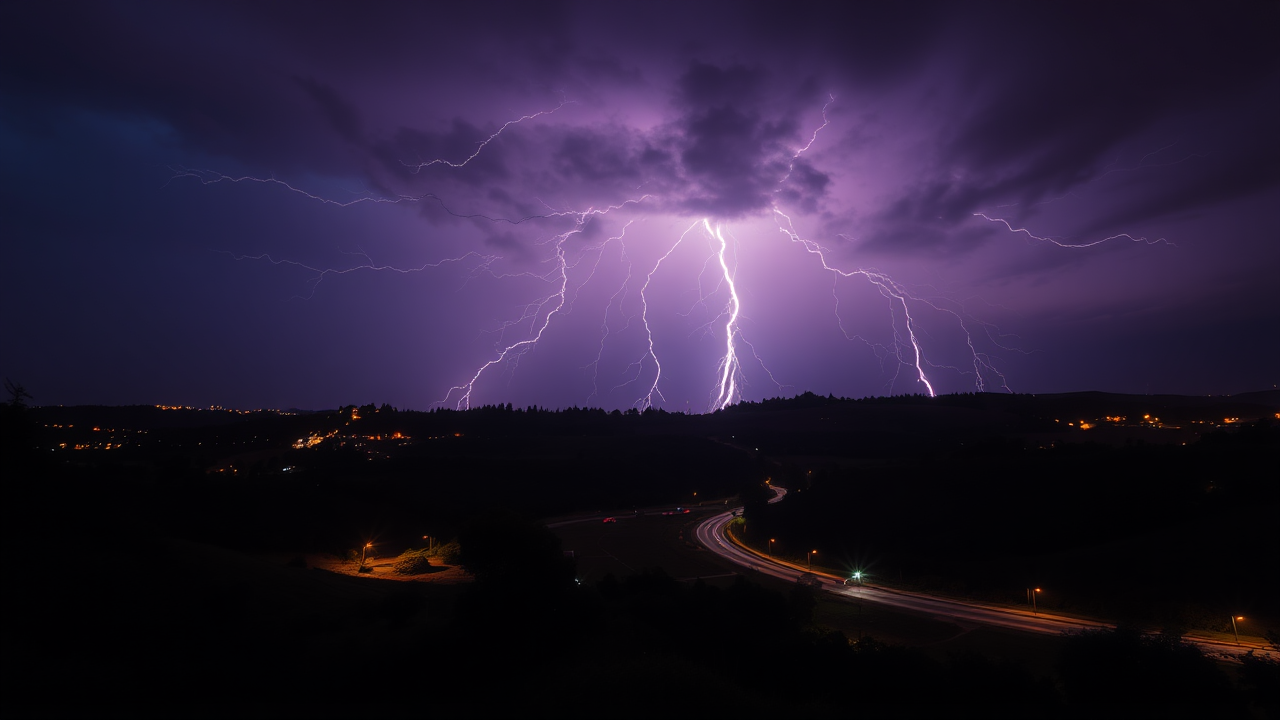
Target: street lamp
[(809, 557), (771, 542), (1031, 598), (363, 551), (857, 576), (1234, 631)]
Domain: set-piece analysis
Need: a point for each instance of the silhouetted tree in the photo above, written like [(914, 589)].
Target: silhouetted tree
[(1124, 673), (17, 427), (1261, 677), (504, 547), (18, 394)]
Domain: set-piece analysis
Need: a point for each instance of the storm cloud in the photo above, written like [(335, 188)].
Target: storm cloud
[(503, 164)]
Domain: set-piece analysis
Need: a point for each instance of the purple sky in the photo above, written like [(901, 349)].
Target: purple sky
[(576, 144)]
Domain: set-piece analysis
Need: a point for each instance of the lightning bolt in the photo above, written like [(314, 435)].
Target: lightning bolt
[(485, 261), (812, 139), (515, 350), (615, 299), (729, 370), (1140, 165), (907, 349), (1059, 243), (558, 300), (570, 271), (646, 401), (418, 167), (211, 177), (727, 389)]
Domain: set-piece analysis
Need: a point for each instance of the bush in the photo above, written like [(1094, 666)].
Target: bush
[(506, 547), (413, 562), (448, 553), (1125, 673), (1261, 677)]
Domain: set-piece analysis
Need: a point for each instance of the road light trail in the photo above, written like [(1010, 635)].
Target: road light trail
[(712, 534)]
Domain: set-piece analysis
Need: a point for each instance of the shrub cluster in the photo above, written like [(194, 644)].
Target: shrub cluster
[(416, 562), (413, 562)]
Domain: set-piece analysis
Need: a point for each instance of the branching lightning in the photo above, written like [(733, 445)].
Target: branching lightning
[(906, 349), (210, 177), (791, 166), (646, 401), (1140, 165), (484, 261), (419, 166), (729, 369), (558, 300), (1059, 243), (571, 269)]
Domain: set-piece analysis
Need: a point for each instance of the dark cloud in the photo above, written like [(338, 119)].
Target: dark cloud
[(342, 115), (421, 152), (592, 156), (723, 150), (705, 87), (512, 206), (870, 45), (1047, 97), (733, 157), (803, 187), (1213, 182), (172, 64), (727, 152), (506, 241), (1075, 120), (924, 219), (602, 68)]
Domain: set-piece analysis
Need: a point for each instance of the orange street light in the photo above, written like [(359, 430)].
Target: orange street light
[(771, 542), (1031, 598), (364, 550), (809, 557), (1234, 631)]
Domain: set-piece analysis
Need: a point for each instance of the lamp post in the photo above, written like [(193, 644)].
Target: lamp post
[(771, 542), (809, 557), (1234, 631), (363, 552), (1031, 598)]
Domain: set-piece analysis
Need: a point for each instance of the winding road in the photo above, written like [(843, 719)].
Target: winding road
[(713, 534)]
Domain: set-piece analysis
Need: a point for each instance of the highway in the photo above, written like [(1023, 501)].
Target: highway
[(712, 533)]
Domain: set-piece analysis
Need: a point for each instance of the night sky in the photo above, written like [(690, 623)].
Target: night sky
[(291, 205)]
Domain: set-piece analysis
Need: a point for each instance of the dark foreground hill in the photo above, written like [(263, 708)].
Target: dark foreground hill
[(127, 601), (333, 480)]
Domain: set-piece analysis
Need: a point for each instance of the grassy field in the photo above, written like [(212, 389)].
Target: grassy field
[(634, 544)]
